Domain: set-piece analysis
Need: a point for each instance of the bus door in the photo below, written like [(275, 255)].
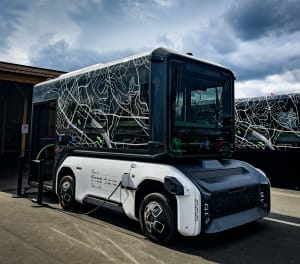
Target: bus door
[(43, 141)]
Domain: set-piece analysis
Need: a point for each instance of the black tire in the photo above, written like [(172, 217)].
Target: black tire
[(157, 218), (66, 192)]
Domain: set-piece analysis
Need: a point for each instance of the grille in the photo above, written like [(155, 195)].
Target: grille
[(230, 202)]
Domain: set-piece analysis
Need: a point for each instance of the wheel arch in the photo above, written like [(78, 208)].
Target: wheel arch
[(152, 186), (62, 172)]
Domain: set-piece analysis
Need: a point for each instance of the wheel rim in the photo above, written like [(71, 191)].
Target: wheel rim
[(155, 217), (66, 192)]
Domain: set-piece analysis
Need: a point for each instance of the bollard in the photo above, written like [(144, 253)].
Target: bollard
[(41, 170), (40, 183), (20, 177)]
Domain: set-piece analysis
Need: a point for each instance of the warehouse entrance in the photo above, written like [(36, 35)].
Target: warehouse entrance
[(16, 84)]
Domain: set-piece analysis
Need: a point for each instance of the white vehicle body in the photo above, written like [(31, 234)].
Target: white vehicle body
[(98, 178)]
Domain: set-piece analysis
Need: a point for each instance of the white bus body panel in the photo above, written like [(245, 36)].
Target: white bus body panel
[(99, 177), (188, 205)]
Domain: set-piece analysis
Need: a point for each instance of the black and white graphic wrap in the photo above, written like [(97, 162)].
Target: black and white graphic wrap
[(270, 122)]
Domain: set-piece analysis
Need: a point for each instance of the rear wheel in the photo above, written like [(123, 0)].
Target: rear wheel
[(157, 218), (66, 192)]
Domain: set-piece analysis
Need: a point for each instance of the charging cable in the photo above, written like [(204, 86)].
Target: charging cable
[(103, 202)]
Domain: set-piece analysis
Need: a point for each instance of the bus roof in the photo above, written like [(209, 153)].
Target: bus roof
[(135, 56)]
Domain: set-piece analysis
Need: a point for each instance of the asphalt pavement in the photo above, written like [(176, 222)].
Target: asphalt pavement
[(32, 233)]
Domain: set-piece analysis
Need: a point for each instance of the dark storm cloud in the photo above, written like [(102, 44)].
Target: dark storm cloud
[(254, 71), (258, 18), (266, 44), (9, 18), (62, 57), (215, 42), (218, 38), (260, 69)]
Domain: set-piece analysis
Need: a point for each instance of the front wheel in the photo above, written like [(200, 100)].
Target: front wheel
[(157, 218), (66, 192)]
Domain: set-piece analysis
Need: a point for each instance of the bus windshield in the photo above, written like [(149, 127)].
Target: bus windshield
[(202, 112)]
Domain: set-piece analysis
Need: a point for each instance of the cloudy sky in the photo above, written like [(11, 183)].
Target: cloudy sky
[(258, 39)]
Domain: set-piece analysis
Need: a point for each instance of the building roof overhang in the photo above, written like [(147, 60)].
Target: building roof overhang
[(26, 74)]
